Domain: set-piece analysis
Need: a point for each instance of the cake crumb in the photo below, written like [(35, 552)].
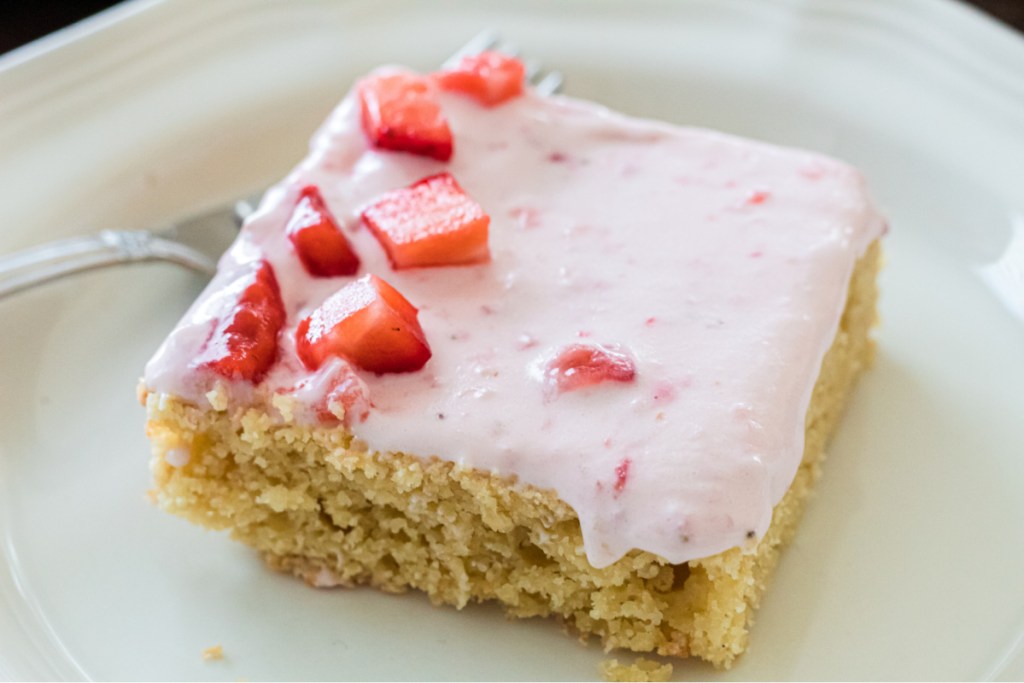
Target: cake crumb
[(285, 405), (213, 654), (218, 397), (640, 670), (337, 409)]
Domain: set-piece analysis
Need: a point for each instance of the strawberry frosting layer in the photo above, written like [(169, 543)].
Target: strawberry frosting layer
[(718, 265)]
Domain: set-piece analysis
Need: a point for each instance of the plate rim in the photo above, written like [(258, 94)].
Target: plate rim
[(963, 35), (977, 34)]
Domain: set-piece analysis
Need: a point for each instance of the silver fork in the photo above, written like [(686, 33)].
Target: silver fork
[(198, 241)]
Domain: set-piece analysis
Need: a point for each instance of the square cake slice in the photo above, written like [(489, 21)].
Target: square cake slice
[(492, 345)]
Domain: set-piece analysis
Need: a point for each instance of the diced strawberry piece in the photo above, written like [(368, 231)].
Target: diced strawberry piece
[(489, 77), (342, 397), (348, 395), (368, 323), (622, 475), (401, 112), (430, 223), (334, 393), (243, 344), (318, 241), (583, 365)]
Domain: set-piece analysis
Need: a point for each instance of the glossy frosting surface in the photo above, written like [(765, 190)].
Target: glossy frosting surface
[(719, 264)]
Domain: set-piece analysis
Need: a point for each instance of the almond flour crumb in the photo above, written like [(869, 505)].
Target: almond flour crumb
[(218, 397), (285, 405), (640, 670), (213, 654), (337, 409)]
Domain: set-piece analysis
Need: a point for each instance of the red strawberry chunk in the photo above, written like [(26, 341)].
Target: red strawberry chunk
[(489, 77), (335, 394), (341, 396), (347, 396), (369, 324), (243, 344), (622, 475), (583, 365), (430, 223), (318, 241), (401, 112)]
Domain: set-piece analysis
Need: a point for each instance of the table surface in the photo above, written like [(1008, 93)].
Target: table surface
[(21, 22), (1010, 11)]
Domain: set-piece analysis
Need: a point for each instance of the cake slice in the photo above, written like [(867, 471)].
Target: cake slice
[(491, 345)]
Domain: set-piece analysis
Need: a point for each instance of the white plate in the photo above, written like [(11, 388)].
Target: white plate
[(910, 562)]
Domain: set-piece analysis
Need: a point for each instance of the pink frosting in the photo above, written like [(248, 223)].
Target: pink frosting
[(719, 265)]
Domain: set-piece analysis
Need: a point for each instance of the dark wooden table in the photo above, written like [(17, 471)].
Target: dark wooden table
[(1010, 11), (22, 21)]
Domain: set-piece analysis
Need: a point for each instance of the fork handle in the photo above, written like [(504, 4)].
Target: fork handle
[(53, 260)]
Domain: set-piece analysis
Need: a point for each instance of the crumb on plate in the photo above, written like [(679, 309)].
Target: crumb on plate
[(213, 654)]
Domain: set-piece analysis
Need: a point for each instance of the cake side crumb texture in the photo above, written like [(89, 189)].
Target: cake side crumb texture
[(319, 504)]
